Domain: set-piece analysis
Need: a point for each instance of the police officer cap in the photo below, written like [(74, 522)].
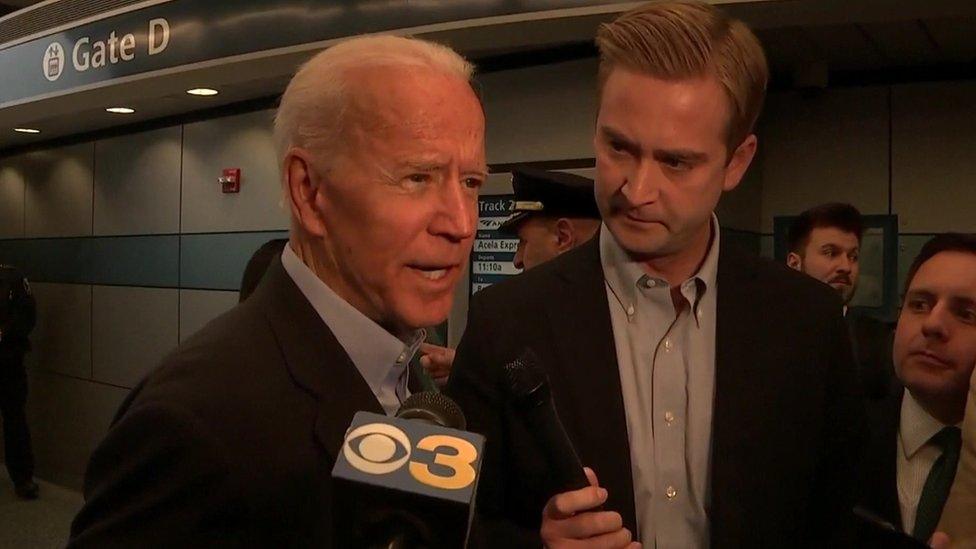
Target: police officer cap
[(552, 194)]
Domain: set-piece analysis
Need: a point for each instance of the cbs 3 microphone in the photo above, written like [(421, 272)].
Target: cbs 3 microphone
[(407, 481)]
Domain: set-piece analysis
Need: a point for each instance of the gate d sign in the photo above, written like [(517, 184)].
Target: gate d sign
[(87, 54)]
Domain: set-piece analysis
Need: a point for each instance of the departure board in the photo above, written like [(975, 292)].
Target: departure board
[(493, 253)]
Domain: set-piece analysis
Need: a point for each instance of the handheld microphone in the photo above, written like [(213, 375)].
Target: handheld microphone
[(407, 481), (529, 389)]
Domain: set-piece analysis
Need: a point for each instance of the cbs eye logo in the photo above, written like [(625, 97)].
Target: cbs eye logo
[(380, 449)]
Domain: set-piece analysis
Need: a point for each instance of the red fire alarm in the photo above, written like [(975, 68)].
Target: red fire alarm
[(230, 180)]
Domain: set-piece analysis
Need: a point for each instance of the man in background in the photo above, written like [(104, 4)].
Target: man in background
[(825, 243), (915, 439), (231, 441), (554, 213), (17, 317), (258, 265)]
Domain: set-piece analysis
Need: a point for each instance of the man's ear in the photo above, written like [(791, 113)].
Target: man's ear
[(565, 234), (303, 186), (739, 163), (794, 261)]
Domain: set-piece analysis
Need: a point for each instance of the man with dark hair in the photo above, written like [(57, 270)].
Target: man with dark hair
[(825, 243), (915, 439)]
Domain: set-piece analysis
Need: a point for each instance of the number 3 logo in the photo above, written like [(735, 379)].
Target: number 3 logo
[(460, 464), (380, 449)]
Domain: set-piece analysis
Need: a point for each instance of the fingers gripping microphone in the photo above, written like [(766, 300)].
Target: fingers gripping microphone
[(530, 393), (408, 481)]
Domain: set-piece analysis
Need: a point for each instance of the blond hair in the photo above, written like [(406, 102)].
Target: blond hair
[(311, 111), (684, 39)]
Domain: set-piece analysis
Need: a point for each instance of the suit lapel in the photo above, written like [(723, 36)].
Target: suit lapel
[(585, 379), (315, 360)]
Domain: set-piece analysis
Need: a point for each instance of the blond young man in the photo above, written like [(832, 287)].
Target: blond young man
[(231, 441), (707, 411)]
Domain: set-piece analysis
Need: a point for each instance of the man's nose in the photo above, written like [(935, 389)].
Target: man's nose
[(457, 212), (642, 185)]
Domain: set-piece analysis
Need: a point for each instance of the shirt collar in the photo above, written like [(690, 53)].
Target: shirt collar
[(626, 277), (917, 426), (380, 357)]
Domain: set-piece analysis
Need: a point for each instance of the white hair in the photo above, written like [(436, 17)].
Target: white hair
[(311, 111)]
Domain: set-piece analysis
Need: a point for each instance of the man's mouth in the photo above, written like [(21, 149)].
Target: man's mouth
[(931, 357), (433, 272)]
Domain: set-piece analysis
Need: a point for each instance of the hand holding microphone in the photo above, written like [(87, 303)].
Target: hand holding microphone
[(573, 518)]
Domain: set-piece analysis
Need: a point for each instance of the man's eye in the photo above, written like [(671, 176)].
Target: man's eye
[(472, 182), (418, 178), (917, 305), (676, 164), (968, 316), (617, 146)]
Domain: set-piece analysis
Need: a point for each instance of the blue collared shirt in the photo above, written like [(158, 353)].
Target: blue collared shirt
[(381, 358)]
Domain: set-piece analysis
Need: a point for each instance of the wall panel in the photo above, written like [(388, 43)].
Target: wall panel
[(11, 198), (137, 183), (61, 339), (132, 330), (241, 141), (59, 191), (934, 156), (198, 307)]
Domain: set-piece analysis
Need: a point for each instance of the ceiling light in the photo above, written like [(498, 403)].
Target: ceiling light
[(26, 130), (121, 110), (202, 91)]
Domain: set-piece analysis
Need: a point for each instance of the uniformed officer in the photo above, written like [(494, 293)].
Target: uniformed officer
[(554, 213), (17, 317)]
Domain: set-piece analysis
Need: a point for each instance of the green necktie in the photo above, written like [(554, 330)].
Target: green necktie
[(937, 485)]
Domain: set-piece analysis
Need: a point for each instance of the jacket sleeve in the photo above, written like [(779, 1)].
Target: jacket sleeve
[(476, 385), (158, 480)]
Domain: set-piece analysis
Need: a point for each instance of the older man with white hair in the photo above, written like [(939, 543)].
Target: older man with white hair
[(232, 440)]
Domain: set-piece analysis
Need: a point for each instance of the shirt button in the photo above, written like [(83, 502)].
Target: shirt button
[(668, 418), (667, 345), (402, 357), (671, 492), (650, 283), (630, 310)]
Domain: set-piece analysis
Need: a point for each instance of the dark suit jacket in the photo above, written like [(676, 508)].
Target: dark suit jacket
[(872, 340), (785, 425), (879, 473), (231, 442)]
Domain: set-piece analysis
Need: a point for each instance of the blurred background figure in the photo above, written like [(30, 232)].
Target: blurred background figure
[(554, 213), (915, 437), (258, 265), (17, 318), (825, 243)]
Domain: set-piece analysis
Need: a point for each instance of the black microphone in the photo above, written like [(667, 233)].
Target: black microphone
[(529, 389), (407, 482)]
